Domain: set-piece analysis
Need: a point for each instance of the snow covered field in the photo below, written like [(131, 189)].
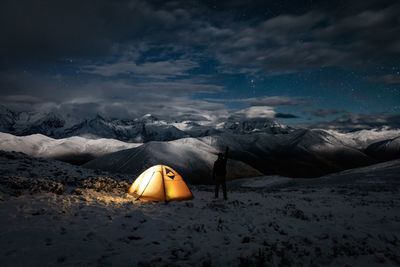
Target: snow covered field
[(52, 213)]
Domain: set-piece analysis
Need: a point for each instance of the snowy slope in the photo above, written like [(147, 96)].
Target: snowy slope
[(385, 150), (21, 174), (192, 158), (381, 174), (301, 153), (70, 149), (363, 138), (59, 214), (326, 150)]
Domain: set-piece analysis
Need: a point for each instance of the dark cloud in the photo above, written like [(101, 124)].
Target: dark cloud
[(285, 41), (49, 30), (274, 101), (289, 43), (131, 57), (285, 116)]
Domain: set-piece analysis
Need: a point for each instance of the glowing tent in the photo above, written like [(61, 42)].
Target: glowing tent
[(160, 183)]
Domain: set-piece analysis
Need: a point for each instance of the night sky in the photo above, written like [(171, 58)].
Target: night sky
[(316, 63)]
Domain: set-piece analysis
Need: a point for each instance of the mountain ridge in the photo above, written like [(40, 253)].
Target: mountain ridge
[(143, 129)]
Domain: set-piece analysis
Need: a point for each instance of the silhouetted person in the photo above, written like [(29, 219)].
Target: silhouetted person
[(219, 173)]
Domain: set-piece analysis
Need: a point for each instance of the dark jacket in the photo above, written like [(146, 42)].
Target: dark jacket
[(220, 167)]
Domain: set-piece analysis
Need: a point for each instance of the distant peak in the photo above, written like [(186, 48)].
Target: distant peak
[(4, 109), (99, 117), (149, 117), (52, 115)]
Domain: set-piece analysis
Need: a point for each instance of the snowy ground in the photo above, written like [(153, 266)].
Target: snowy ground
[(50, 214)]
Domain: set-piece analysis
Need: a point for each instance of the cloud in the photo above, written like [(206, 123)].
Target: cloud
[(361, 35), (113, 97), (162, 106), (255, 112), (391, 79), (259, 112), (191, 117), (155, 70), (126, 58), (351, 122), (274, 101), (75, 29), (22, 99), (319, 38), (286, 116), (265, 100)]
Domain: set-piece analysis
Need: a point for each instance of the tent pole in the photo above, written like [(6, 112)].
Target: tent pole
[(146, 186), (165, 193)]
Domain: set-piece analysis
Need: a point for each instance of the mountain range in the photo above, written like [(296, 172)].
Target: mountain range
[(144, 129), (257, 146)]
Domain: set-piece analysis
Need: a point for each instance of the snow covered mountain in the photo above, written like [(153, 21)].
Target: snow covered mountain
[(7, 119), (73, 149), (301, 153), (150, 128), (144, 129), (48, 125), (259, 143), (363, 138), (385, 150), (249, 125), (189, 156)]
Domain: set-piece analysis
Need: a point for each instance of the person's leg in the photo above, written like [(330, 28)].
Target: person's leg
[(216, 189), (224, 189)]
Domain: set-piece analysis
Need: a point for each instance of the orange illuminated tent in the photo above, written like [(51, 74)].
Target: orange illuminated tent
[(160, 183)]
